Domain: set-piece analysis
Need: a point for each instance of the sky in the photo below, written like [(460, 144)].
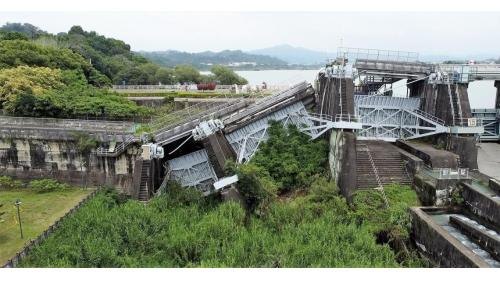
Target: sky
[(441, 33)]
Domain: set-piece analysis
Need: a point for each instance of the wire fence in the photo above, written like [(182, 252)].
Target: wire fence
[(19, 256)]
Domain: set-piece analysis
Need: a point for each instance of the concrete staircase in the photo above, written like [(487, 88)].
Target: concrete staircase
[(388, 161), (145, 182)]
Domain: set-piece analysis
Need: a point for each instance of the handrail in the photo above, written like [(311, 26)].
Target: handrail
[(375, 170), (101, 151), (429, 116)]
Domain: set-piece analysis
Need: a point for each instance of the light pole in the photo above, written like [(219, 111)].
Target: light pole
[(18, 203)]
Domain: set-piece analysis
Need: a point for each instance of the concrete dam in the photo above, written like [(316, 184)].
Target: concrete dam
[(427, 139)]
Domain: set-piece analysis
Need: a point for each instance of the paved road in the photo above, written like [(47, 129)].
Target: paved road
[(488, 159)]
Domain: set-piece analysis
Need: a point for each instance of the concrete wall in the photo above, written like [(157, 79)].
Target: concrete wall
[(436, 101), (464, 146), (481, 204), (438, 244), (342, 161), (434, 192), (329, 98), (435, 158), (33, 159)]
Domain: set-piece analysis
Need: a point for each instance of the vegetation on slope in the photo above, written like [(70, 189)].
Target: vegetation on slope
[(112, 58), (311, 227), (51, 92), (68, 74)]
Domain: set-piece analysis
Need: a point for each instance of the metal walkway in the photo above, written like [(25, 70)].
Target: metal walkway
[(491, 123)]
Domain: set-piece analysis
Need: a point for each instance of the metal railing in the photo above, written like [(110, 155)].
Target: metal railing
[(375, 54), (200, 116), (469, 122), (375, 171), (445, 173), (429, 116), (101, 151)]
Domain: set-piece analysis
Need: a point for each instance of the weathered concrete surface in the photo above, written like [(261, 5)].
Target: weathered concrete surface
[(438, 244), (464, 146), (436, 101), (488, 159), (335, 94), (480, 201), (219, 151), (148, 101), (33, 159), (342, 161), (487, 241), (413, 163), (435, 158), (434, 192)]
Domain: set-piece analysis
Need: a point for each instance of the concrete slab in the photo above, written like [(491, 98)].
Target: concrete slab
[(488, 159)]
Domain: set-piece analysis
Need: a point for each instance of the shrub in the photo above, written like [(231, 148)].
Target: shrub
[(7, 182), (290, 157), (47, 185)]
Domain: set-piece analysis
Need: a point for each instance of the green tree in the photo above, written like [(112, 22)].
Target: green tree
[(226, 76), (29, 30), (12, 35), (186, 74), (290, 157), (164, 75)]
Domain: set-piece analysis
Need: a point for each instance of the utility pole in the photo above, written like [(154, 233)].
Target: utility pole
[(18, 203)]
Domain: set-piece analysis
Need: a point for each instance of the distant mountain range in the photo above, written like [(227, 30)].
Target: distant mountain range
[(296, 55), (204, 60), (277, 57)]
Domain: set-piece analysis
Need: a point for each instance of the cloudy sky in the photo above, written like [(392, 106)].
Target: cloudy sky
[(450, 33)]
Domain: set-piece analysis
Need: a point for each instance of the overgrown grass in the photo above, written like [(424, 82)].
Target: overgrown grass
[(38, 211), (308, 224), (170, 232)]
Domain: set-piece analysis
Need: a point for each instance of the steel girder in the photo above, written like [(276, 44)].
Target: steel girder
[(392, 123), (247, 139), (192, 169)]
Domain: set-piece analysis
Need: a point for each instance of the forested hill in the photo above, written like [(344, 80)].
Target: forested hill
[(111, 57), (204, 60), (68, 75)]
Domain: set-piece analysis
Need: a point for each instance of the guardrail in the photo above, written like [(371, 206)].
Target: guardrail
[(14, 261), (375, 54), (469, 122), (446, 173), (101, 151), (429, 116)]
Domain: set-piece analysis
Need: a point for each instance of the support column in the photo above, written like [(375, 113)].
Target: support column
[(436, 101), (497, 100), (334, 92), (219, 151), (416, 89)]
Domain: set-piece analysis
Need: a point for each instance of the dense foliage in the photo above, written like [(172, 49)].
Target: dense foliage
[(166, 233), (291, 157), (311, 228), (103, 60), (47, 185), (15, 53), (51, 92)]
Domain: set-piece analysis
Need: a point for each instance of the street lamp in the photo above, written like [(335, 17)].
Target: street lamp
[(18, 203)]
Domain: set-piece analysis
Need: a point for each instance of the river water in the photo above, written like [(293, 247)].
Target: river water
[(481, 93)]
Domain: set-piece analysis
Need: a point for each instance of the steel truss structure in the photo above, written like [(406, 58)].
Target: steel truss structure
[(390, 124), (193, 169), (247, 139), (491, 123)]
